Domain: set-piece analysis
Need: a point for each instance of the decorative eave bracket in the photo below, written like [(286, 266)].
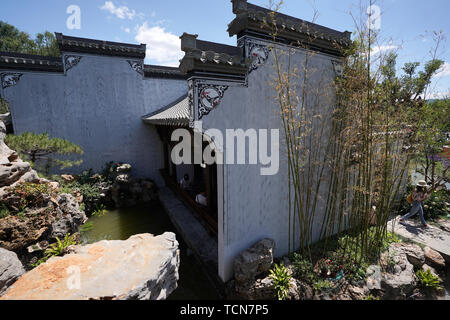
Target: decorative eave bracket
[(9, 79), (71, 61)]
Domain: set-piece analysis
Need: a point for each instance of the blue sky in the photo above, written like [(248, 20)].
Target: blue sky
[(405, 24)]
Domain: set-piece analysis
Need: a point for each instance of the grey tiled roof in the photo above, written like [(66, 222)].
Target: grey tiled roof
[(20, 61), (296, 24), (254, 20), (163, 72), (84, 45), (175, 114)]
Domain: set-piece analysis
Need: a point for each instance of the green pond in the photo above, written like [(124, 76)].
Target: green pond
[(122, 223)]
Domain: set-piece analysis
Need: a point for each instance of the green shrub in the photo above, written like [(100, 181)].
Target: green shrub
[(4, 212), (281, 281), (427, 280), (4, 106), (86, 185), (27, 195), (435, 206), (303, 268), (109, 169)]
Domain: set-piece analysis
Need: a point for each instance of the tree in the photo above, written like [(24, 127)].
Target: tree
[(14, 40), (40, 147), (46, 44), (11, 39), (432, 135), (375, 121)]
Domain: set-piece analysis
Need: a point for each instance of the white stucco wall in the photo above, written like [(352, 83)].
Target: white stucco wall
[(256, 206), (98, 105)]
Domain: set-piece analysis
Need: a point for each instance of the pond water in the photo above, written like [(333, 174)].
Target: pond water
[(122, 223)]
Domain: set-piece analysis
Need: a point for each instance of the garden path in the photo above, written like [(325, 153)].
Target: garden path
[(436, 236)]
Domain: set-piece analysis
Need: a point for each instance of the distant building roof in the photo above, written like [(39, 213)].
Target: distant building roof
[(252, 19), (175, 114), (84, 45), (20, 61)]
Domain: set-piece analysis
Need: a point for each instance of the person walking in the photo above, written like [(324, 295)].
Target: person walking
[(418, 196)]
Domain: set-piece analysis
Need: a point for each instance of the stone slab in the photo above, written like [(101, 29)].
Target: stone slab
[(432, 236)]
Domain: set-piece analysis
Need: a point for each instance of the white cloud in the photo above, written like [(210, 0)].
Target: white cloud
[(120, 12), (127, 30), (378, 49), (444, 71), (162, 47)]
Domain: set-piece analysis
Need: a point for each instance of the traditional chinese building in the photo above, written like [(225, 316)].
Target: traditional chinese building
[(102, 96)]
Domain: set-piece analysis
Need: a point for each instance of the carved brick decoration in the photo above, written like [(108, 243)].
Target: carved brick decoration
[(209, 97), (10, 79), (255, 50), (191, 103), (137, 66), (338, 68), (71, 61)]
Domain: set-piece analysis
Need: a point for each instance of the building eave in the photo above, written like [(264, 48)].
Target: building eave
[(290, 30), (29, 62), (174, 114)]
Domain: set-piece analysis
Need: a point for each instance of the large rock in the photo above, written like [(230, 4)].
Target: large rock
[(434, 258), (261, 289), (254, 261), (373, 281), (10, 269), (413, 252), (250, 264), (60, 216), (12, 169), (17, 234), (70, 217), (143, 267), (401, 281)]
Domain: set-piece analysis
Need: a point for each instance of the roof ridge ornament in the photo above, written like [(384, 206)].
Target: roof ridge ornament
[(239, 6), (10, 79)]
